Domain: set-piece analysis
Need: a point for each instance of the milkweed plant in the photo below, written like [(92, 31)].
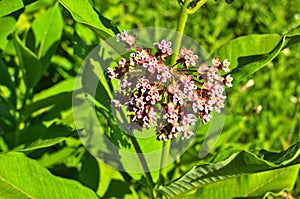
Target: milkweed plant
[(184, 90)]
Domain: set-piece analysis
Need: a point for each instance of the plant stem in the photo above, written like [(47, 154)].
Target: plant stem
[(144, 166), (164, 158), (180, 29), (185, 12)]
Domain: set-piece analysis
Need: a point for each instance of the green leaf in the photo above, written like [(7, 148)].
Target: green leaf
[(47, 29), (31, 66), (83, 12), (239, 164), (38, 136), (7, 27), (250, 186), (9, 6), (248, 54), (21, 177), (247, 46)]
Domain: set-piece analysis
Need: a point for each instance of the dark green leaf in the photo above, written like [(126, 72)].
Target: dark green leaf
[(38, 136), (89, 174)]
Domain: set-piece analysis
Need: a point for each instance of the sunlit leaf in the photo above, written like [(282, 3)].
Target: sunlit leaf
[(239, 164), (21, 177), (83, 12), (8, 6), (250, 53)]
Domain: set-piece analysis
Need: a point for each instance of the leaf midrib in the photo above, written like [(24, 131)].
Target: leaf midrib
[(15, 187)]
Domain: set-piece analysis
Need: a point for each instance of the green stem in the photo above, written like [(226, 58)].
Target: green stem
[(194, 9), (164, 158), (144, 166), (185, 12), (180, 29)]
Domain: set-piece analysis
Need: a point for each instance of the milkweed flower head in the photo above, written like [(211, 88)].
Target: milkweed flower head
[(170, 96)]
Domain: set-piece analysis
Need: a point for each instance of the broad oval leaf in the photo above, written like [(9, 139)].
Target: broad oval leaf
[(239, 164), (21, 177)]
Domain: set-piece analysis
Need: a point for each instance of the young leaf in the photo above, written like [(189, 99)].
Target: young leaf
[(21, 177), (239, 164)]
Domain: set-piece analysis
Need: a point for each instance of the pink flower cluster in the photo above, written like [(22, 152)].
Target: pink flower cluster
[(170, 97)]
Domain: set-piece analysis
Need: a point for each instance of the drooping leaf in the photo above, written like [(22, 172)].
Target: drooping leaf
[(250, 53), (239, 164), (250, 186), (31, 66), (47, 29), (83, 12), (21, 177), (7, 25), (38, 136), (46, 102)]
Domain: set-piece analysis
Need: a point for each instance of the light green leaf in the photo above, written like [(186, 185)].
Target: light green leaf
[(21, 177), (249, 54), (38, 136), (239, 164), (7, 25), (83, 12), (9, 6), (47, 29), (31, 67), (248, 45), (250, 186)]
